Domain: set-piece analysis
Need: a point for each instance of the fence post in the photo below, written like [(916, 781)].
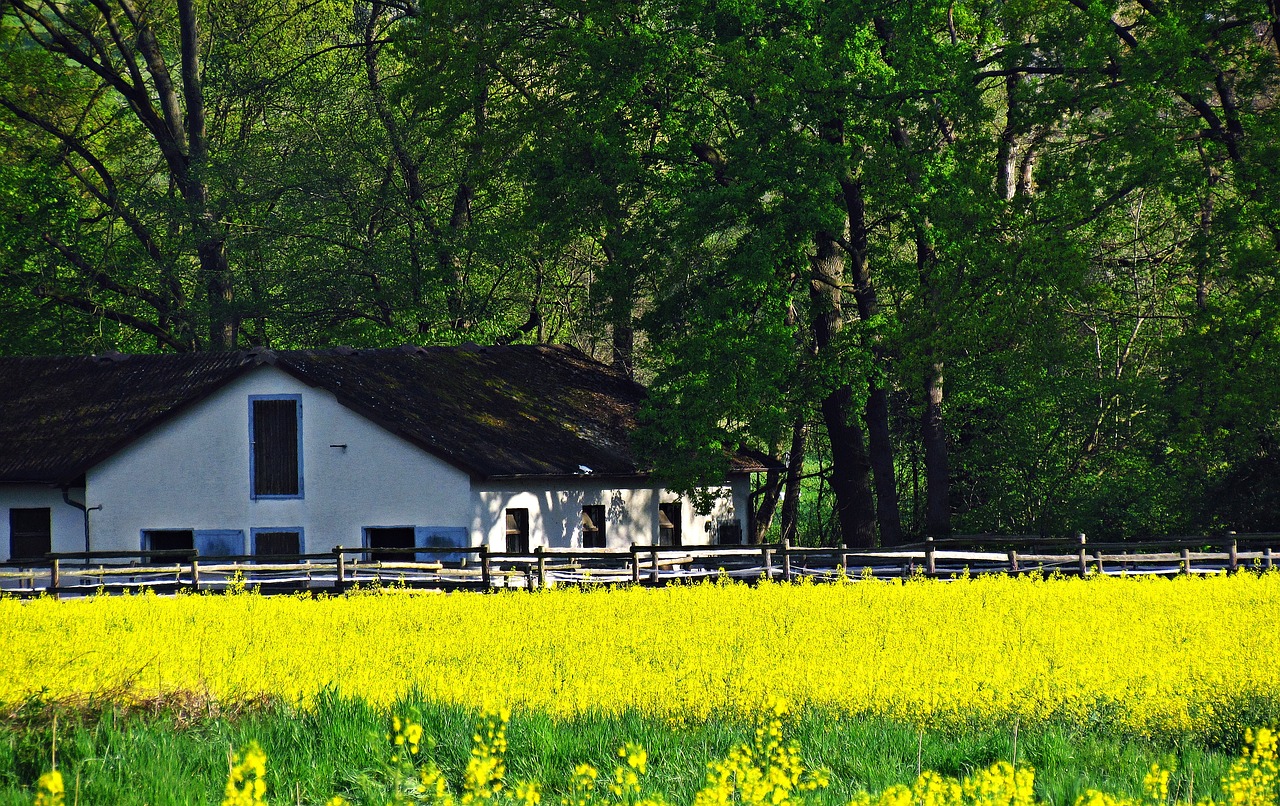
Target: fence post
[(1097, 559), (930, 564), (768, 562), (341, 583), (786, 559), (635, 564), (1082, 559), (1266, 558), (55, 577), (486, 576), (1186, 561), (653, 572), (542, 566), (1233, 556), (195, 574), (1013, 562)]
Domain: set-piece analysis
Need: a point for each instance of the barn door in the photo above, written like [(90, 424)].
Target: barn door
[(219, 542)]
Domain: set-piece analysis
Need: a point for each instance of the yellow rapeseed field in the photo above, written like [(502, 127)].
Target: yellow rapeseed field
[(1152, 656)]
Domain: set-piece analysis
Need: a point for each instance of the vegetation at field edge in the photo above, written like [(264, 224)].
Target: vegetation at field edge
[(118, 756)]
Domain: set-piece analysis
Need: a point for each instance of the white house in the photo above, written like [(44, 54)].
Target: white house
[(293, 452)]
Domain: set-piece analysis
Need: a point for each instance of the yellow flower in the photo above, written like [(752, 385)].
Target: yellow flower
[(50, 790), (247, 780), (635, 755)]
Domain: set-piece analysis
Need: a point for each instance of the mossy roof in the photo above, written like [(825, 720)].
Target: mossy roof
[(491, 411)]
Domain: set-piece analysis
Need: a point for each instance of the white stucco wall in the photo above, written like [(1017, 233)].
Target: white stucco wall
[(66, 522), (193, 473), (555, 513)]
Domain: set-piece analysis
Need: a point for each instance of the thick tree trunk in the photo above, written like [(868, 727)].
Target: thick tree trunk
[(1007, 152), (769, 495), (791, 491), (936, 465), (850, 470), (211, 243), (888, 514), (932, 433)]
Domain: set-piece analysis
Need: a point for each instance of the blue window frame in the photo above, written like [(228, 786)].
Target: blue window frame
[(266, 541), (275, 446)]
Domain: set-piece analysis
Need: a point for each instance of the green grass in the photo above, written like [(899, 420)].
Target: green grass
[(167, 756)]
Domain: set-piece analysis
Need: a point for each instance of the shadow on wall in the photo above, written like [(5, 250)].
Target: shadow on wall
[(554, 517), (617, 512)]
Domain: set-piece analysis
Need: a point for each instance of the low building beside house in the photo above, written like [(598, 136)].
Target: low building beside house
[(291, 452)]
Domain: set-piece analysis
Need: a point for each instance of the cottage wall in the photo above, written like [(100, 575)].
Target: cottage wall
[(193, 473), (555, 511), (65, 521)]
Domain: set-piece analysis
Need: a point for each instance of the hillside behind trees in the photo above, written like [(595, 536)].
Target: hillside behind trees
[(963, 265)]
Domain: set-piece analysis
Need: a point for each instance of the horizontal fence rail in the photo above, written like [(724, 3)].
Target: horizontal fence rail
[(481, 568)]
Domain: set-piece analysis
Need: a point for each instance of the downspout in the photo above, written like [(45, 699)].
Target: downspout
[(66, 497)]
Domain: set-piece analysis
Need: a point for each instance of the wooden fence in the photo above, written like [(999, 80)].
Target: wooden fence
[(480, 568)]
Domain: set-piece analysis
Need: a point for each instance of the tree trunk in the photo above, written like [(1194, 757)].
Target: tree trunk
[(621, 305), (850, 470), (211, 243), (933, 435), (888, 513), (769, 495), (453, 270), (791, 491), (1007, 152)]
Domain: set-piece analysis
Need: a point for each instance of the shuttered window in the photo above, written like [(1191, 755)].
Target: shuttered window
[(729, 533), (517, 529), (270, 543), (593, 527), (276, 447), (669, 524), (30, 533)]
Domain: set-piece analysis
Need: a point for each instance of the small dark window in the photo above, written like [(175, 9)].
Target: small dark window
[(269, 544), (168, 540), (729, 533), (276, 469), (518, 530), (669, 524), (593, 527), (30, 533), (391, 539)]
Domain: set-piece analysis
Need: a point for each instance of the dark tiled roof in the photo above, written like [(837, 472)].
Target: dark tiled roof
[(492, 411)]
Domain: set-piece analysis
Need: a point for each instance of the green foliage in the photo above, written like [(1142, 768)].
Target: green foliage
[(177, 756)]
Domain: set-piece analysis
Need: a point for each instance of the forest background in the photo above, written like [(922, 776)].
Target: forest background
[(998, 266)]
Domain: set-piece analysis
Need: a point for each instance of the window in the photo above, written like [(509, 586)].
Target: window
[(30, 533), (729, 533), (275, 446), (276, 542), (669, 524), (390, 539), (593, 527), (518, 530), (167, 540)]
